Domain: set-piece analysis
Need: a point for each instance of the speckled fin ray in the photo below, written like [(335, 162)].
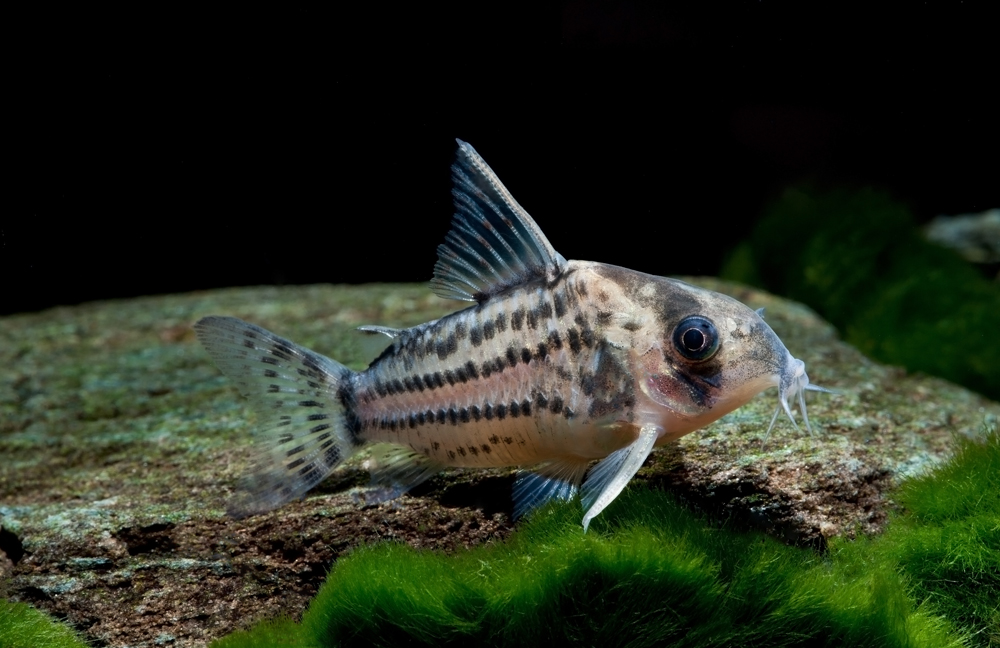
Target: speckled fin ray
[(493, 243), (301, 401), (558, 480), (610, 476)]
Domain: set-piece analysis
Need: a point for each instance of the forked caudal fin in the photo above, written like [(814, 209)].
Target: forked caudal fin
[(302, 400)]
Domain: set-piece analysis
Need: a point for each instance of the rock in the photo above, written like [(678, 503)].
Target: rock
[(975, 236), (122, 442)]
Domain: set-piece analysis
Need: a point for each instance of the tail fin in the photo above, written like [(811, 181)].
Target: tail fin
[(303, 402)]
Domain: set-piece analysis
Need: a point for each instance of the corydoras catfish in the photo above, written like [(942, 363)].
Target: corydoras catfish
[(557, 364)]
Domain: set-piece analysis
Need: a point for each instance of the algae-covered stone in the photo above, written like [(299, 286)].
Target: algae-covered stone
[(121, 443)]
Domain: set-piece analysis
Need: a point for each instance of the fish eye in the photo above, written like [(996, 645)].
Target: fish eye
[(696, 338)]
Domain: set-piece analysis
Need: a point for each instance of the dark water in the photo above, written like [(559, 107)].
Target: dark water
[(168, 153)]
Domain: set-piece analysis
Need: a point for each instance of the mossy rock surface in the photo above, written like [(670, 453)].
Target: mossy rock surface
[(122, 442)]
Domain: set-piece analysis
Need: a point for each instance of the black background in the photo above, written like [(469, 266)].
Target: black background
[(169, 150)]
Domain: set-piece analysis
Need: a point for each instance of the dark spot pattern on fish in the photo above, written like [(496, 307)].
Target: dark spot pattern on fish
[(559, 303), (282, 351), (556, 404), (489, 331), (501, 322), (574, 340), (448, 347), (511, 356), (476, 336), (312, 363), (517, 318)]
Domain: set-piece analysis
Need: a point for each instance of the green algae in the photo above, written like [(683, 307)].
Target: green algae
[(948, 543), (858, 259), (22, 626)]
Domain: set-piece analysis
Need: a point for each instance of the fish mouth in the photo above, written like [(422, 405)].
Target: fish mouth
[(793, 384)]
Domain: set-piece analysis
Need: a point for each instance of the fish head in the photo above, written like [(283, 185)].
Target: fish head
[(707, 354)]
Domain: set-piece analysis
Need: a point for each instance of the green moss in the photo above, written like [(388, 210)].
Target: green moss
[(857, 258), (949, 541), (282, 633), (22, 626)]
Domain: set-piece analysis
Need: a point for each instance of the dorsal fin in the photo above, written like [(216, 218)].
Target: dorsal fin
[(493, 243)]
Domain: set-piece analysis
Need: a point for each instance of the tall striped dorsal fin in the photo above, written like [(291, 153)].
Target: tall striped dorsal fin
[(493, 243)]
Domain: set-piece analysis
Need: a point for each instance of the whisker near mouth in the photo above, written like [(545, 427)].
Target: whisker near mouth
[(794, 384), (802, 407)]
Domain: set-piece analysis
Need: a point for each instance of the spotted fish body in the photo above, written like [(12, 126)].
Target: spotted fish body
[(559, 363)]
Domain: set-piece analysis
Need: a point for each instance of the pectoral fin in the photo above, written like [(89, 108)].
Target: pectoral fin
[(610, 476)]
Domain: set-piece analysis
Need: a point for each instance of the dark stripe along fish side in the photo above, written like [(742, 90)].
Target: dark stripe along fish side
[(501, 390)]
